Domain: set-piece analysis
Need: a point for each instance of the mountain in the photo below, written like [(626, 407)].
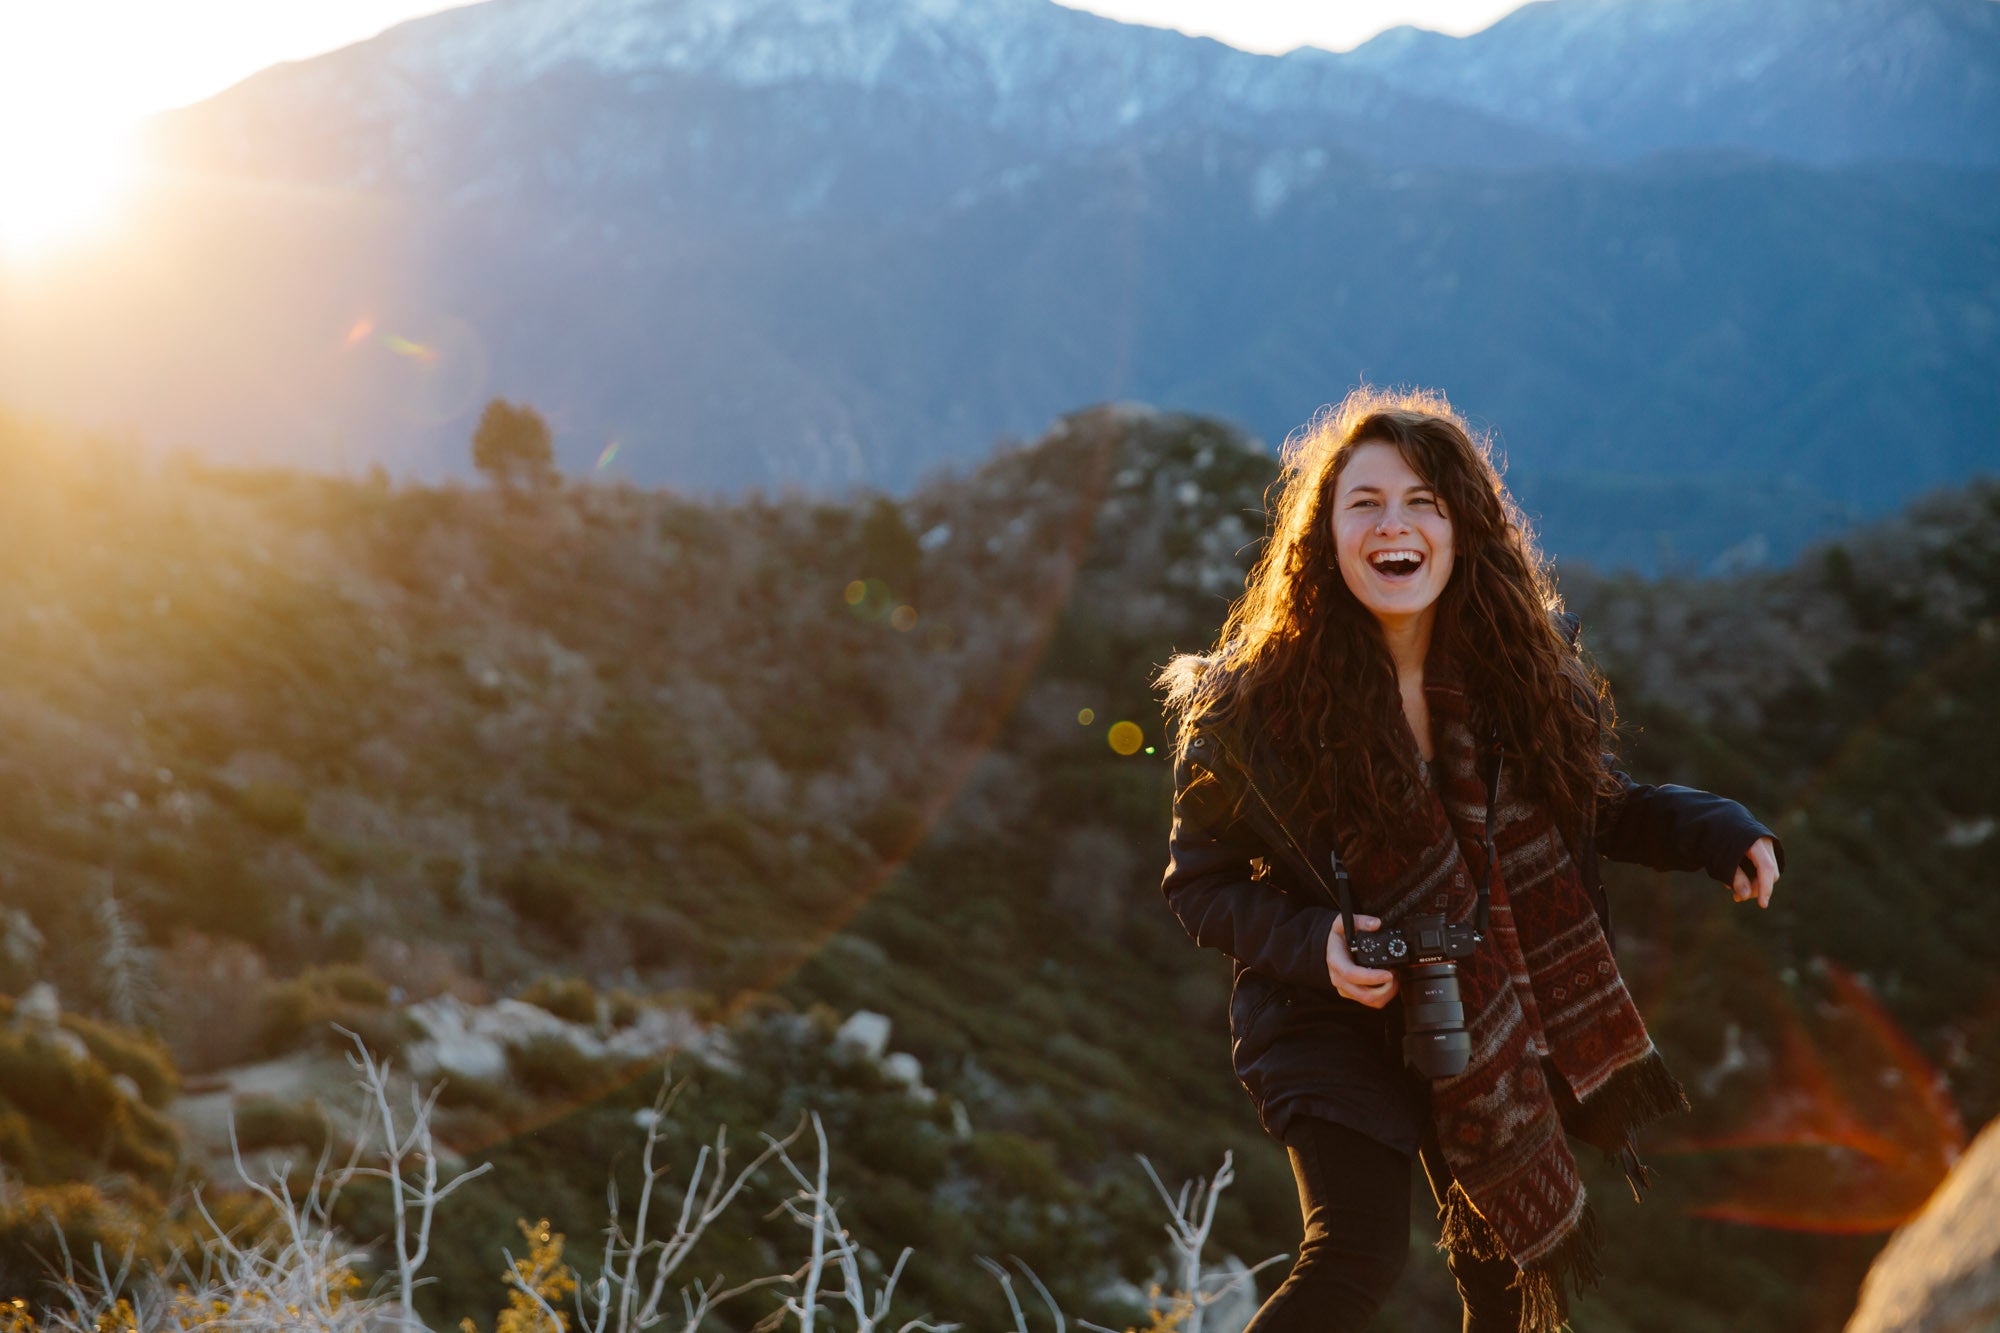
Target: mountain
[(1817, 80), (724, 243)]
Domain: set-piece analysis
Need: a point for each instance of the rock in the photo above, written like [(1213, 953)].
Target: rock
[(451, 1044), (904, 1068), (71, 1045), (655, 1032), (39, 1010), (471, 1041), (864, 1034), (1941, 1272)]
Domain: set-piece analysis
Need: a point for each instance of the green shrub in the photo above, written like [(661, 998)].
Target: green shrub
[(139, 1056), (550, 1066), (74, 1096), (1018, 1166), (305, 1009), (266, 1122), (62, 1116), (462, 1092), (36, 1223), (570, 998), (623, 1008), (272, 806), (550, 898), (345, 981)]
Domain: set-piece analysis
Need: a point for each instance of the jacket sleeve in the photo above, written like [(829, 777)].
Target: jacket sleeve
[(1677, 828), (1208, 885)]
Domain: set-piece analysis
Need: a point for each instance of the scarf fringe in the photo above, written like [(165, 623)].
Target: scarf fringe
[(1631, 1099), (1546, 1284), (1464, 1230)]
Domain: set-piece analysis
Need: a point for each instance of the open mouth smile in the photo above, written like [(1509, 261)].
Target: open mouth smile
[(1397, 565)]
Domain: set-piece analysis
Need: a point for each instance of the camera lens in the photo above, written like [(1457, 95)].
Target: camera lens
[(1435, 1042)]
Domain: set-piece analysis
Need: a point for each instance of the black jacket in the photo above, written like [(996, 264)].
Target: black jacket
[(1256, 890)]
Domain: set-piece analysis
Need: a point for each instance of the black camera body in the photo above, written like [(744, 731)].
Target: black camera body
[(1427, 948), (1418, 940)]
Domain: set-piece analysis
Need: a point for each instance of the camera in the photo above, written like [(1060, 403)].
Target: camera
[(1426, 948)]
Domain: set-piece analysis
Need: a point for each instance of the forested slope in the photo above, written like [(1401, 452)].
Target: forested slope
[(277, 748)]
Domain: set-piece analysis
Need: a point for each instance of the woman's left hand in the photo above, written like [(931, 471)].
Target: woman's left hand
[(1765, 857)]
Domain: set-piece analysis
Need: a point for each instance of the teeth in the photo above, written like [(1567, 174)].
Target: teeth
[(1381, 557)]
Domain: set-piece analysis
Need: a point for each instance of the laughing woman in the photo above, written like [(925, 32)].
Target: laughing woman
[(1396, 709)]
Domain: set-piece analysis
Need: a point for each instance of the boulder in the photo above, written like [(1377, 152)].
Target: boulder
[(864, 1034), (38, 1010), (1941, 1272), (471, 1041)]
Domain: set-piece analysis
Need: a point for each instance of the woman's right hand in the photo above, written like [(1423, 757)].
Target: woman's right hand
[(1367, 985)]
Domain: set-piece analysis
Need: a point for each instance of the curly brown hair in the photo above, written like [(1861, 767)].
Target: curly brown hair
[(1302, 660)]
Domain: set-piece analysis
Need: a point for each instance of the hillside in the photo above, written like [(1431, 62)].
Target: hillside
[(337, 746)]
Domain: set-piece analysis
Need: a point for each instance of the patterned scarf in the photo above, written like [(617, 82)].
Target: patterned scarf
[(1543, 987)]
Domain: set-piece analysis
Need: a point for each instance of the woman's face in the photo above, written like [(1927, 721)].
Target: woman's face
[(1392, 535)]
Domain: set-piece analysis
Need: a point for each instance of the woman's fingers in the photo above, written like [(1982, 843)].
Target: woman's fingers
[(1371, 986), (1373, 994), (1763, 860), (1766, 858)]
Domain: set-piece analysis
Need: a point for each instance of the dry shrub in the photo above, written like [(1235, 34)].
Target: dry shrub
[(203, 981)]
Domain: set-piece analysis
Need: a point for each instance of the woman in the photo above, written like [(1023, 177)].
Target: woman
[(1397, 664)]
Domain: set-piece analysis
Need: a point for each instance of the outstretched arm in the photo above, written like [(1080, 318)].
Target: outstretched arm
[(1670, 827)]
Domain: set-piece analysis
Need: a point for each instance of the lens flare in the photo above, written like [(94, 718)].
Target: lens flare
[(904, 618), (608, 456), (871, 599), (359, 333), (1125, 737), (416, 351), (1085, 716), (1847, 1132)]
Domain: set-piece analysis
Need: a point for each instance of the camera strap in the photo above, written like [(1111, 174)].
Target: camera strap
[(1482, 911)]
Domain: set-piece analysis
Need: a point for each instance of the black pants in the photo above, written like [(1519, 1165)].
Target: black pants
[(1355, 1197)]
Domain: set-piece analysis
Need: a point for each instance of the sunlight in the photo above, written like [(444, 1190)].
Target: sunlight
[(63, 175)]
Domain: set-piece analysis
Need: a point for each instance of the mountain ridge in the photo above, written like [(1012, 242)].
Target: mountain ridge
[(833, 283), (1816, 80)]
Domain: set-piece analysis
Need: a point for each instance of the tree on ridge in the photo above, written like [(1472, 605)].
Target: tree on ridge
[(512, 445)]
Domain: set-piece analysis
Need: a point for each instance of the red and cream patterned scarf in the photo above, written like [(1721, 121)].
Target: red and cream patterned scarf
[(1542, 988)]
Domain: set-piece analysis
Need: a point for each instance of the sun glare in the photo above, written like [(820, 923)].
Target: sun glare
[(60, 182)]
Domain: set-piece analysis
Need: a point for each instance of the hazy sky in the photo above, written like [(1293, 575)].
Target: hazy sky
[(76, 75)]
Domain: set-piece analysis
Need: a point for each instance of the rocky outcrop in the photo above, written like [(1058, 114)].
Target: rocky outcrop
[(472, 1040), (1941, 1272)]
